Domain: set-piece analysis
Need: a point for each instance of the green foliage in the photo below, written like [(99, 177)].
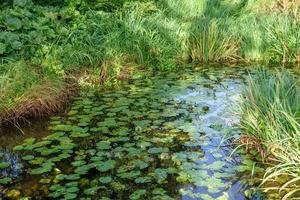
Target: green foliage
[(112, 38), (270, 106), (138, 141), (209, 43), (270, 113), (243, 31)]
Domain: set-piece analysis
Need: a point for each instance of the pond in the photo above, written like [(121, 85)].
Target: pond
[(167, 136)]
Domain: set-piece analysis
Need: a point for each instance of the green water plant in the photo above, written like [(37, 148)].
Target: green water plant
[(270, 115), (138, 142)]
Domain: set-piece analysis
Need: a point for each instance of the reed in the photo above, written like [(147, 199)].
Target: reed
[(270, 113)]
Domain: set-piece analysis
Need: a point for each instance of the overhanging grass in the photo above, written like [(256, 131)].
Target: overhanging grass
[(270, 113), (26, 92)]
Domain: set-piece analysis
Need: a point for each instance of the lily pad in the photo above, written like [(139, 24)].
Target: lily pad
[(156, 150), (105, 166), (105, 179)]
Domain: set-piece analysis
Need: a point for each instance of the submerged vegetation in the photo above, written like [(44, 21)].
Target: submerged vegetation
[(270, 115), (55, 40)]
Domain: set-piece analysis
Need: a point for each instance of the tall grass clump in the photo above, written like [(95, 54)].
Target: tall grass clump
[(283, 39), (270, 113), (208, 44), (27, 92), (248, 31), (210, 36)]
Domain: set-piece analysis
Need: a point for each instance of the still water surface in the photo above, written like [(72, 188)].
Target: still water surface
[(155, 137)]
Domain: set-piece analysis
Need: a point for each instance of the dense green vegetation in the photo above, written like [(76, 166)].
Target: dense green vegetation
[(141, 141), (49, 48), (44, 42), (271, 115)]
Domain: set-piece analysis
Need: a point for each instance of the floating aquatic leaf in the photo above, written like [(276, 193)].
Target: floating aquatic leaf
[(105, 179), (129, 175), (37, 161), (91, 191), (62, 127), (27, 157), (142, 180), (60, 177), (160, 175), (18, 148), (78, 163), (143, 144), (213, 182), (79, 134), (156, 150), (72, 184), (40, 170), (138, 194), (117, 142), (108, 122), (83, 124), (214, 190), (70, 196), (29, 141), (54, 136), (72, 112), (217, 165), (4, 165), (142, 124), (139, 164), (83, 169), (73, 189), (118, 186), (45, 180), (106, 165), (73, 176), (103, 145), (217, 127)]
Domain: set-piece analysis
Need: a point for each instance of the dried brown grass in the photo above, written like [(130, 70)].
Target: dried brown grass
[(42, 100)]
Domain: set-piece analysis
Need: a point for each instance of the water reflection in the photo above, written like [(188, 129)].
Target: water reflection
[(168, 132), (212, 120)]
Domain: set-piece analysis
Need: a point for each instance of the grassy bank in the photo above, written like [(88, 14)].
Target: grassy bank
[(270, 115), (43, 42)]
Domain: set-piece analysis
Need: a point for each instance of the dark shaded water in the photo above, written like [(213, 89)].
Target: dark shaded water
[(162, 137)]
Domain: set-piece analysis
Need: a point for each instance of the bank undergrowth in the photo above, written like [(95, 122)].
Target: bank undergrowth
[(270, 113), (46, 41)]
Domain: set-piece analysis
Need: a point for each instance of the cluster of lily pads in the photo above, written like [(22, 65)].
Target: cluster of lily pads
[(144, 141)]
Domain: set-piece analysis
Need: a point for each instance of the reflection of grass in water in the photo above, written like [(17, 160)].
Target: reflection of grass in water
[(12, 136), (270, 114)]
